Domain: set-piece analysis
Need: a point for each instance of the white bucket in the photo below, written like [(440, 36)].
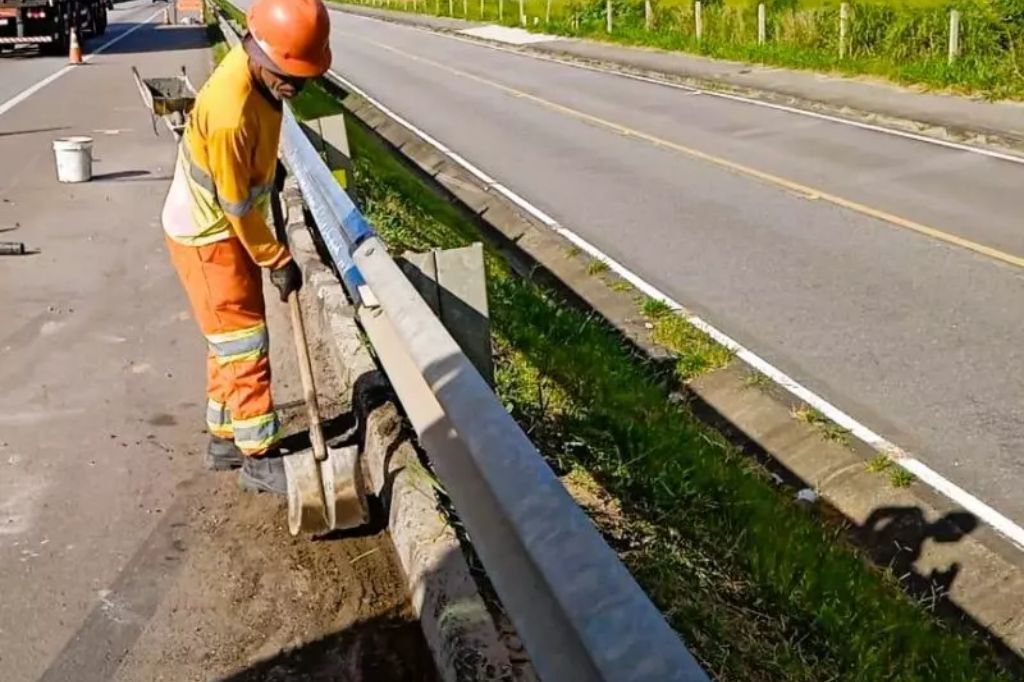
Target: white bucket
[(74, 158)]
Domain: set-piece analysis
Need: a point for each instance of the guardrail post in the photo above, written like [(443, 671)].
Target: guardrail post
[(453, 282), (465, 8), (522, 13), (762, 29), (608, 15), (648, 15), (954, 35), (501, 11), (451, 8), (547, 13), (698, 22), (844, 27)]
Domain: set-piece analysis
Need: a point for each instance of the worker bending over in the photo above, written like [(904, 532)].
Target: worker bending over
[(217, 232)]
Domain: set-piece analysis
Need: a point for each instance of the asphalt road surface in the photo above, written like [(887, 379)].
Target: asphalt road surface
[(788, 233)]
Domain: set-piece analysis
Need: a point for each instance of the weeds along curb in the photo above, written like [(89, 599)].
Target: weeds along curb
[(642, 62), (937, 551), (456, 622)]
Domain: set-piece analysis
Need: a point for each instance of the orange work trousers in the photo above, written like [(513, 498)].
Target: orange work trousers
[(225, 288)]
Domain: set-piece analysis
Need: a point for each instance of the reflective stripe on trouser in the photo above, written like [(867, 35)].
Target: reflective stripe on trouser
[(225, 289), (218, 419)]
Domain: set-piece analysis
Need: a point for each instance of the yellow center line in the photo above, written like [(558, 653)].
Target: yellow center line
[(790, 185)]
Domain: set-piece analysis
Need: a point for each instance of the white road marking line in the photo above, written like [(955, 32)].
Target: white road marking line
[(28, 92), (533, 54), (1002, 524)]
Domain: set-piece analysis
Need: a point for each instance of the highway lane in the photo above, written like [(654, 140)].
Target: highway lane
[(24, 68), (790, 234)]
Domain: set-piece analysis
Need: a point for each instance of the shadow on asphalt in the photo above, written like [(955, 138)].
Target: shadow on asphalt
[(31, 131), (164, 39), (119, 175)]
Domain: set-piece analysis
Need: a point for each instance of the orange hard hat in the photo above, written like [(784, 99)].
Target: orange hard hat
[(293, 34)]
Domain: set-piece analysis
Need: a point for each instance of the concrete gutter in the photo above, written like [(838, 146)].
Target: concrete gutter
[(948, 117), (459, 626), (938, 551)]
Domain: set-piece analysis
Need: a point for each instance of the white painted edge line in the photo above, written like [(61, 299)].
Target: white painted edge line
[(1003, 525), (33, 89), (531, 53)]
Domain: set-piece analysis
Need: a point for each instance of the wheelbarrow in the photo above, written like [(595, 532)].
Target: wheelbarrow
[(168, 98)]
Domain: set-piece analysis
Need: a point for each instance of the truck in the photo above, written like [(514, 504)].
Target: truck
[(48, 23)]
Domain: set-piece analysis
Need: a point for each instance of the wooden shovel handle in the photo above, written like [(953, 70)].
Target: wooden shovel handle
[(316, 433)]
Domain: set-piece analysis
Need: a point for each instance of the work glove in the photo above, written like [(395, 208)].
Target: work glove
[(287, 279)]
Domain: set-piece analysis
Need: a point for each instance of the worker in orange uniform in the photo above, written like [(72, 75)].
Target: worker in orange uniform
[(216, 226)]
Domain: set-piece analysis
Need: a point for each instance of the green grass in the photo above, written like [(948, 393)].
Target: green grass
[(900, 478), (696, 352), (596, 267), (903, 41), (828, 429), (655, 309), (878, 464), (758, 380), (760, 589)]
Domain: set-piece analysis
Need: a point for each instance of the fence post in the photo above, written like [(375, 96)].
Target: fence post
[(648, 15), (608, 15), (762, 29), (698, 23), (844, 25), (954, 35)]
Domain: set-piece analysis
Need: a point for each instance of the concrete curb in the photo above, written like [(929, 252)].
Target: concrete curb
[(459, 629), (871, 107), (938, 551)]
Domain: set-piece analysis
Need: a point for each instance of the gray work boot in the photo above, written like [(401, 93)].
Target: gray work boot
[(222, 454), (264, 473)]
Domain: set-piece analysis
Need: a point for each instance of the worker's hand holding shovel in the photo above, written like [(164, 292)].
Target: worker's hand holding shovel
[(287, 279)]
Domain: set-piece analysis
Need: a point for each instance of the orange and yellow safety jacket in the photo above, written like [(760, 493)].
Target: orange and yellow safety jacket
[(225, 168)]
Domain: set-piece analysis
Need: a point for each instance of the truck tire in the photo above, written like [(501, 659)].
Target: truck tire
[(101, 24)]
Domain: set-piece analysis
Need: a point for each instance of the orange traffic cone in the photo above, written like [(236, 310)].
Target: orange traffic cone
[(75, 53)]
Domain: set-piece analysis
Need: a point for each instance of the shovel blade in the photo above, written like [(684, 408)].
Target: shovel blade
[(306, 510), (343, 490)]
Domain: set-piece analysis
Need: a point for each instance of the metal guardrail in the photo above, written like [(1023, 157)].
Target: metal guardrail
[(577, 609)]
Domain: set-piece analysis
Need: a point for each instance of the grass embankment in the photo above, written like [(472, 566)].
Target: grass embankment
[(905, 42), (760, 588)]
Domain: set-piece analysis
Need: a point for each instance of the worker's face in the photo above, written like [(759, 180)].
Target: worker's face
[(280, 86)]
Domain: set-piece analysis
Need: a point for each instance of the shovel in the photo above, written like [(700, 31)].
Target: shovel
[(325, 490)]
